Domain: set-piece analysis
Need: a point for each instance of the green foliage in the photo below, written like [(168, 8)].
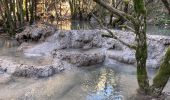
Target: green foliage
[(163, 19), (126, 1), (139, 6)]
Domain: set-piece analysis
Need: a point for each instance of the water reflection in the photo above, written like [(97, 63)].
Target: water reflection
[(6, 41), (102, 83), (106, 86), (9, 50), (71, 25), (158, 30)]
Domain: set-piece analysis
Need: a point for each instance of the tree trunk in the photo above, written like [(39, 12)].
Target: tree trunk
[(9, 20), (20, 12), (26, 10), (162, 76), (141, 50), (141, 57), (32, 11), (139, 23)]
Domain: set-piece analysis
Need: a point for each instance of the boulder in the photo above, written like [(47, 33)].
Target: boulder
[(80, 57), (63, 39), (84, 39), (127, 57), (35, 33)]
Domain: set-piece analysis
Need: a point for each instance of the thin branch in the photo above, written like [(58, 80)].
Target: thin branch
[(112, 35), (98, 20), (116, 11), (127, 27), (124, 43), (106, 35), (118, 4)]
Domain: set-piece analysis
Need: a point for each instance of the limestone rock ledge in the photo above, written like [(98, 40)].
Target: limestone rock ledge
[(61, 40), (10, 67), (89, 39), (79, 57)]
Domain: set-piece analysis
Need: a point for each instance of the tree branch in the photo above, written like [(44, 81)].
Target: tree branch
[(112, 35), (127, 27), (116, 11), (115, 37)]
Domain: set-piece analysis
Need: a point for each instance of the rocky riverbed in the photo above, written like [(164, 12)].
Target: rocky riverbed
[(77, 48), (79, 64)]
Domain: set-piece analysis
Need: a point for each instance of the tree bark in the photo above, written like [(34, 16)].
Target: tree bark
[(141, 55), (26, 10), (9, 24), (162, 76), (139, 23), (141, 51)]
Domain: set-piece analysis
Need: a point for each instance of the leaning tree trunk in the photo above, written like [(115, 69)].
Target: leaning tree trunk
[(141, 50), (162, 76)]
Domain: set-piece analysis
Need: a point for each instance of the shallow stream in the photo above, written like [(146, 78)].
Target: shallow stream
[(114, 81)]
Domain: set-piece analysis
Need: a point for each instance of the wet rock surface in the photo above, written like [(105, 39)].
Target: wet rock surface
[(157, 46), (77, 48), (80, 57), (10, 67), (77, 39)]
